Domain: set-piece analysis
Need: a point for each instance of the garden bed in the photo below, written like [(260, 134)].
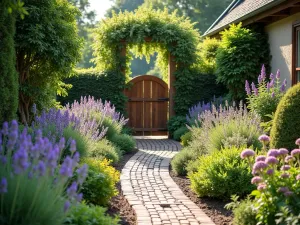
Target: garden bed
[(213, 208), (118, 204)]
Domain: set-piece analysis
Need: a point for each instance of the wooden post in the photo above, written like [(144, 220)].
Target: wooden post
[(123, 55), (172, 70)]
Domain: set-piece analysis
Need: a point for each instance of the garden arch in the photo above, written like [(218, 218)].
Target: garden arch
[(145, 32)]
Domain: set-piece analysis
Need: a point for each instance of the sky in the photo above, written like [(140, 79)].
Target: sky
[(100, 7)]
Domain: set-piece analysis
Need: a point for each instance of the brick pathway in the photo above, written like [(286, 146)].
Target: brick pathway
[(150, 190)]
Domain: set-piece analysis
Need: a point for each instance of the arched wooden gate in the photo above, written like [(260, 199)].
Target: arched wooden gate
[(147, 105)]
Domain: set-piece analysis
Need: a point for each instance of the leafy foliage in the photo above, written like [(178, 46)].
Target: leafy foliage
[(180, 132), (47, 47), (208, 51), (84, 214), (181, 161), (174, 123), (186, 138), (242, 51), (106, 85), (286, 123), (222, 174), (125, 142), (100, 185), (8, 75)]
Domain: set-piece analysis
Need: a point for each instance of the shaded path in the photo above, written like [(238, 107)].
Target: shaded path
[(150, 190)]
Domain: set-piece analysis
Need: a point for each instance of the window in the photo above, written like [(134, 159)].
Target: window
[(296, 53)]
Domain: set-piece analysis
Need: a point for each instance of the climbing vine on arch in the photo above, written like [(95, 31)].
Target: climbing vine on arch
[(169, 33)]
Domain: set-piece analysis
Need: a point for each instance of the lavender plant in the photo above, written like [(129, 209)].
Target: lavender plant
[(277, 177), (227, 124), (264, 99), (33, 186)]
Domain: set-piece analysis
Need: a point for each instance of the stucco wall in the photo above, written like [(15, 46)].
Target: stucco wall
[(280, 39)]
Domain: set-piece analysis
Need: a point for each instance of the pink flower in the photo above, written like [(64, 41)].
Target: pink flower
[(264, 139), (285, 167), (256, 180), (261, 187), (271, 160), (295, 152), (259, 166), (298, 177), (283, 151), (260, 158), (247, 153), (297, 141), (289, 159), (273, 152)]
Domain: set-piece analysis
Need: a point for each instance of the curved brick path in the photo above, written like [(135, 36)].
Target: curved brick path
[(150, 190)]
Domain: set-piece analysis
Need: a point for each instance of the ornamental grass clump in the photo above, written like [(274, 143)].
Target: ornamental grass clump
[(264, 98), (34, 187), (229, 126), (277, 178)]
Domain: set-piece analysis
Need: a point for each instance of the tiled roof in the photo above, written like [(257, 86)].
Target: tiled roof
[(239, 9)]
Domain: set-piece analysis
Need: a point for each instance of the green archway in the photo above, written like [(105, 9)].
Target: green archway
[(144, 32)]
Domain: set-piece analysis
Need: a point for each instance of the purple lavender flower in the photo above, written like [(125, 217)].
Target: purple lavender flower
[(20, 161), (270, 172), (71, 191), (278, 74), (3, 185), (259, 79), (273, 94), (255, 90), (271, 76), (41, 168), (67, 206), (263, 72), (285, 167), (268, 87), (273, 152), (82, 173), (247, 88), (295, 152), (5, 128), (264, 139), (282, 88), (247, 153), (73, 146), (271, 160), (253, 86), (79, 197), (285, 82), (260, 158), (256, 180), (66, 168)]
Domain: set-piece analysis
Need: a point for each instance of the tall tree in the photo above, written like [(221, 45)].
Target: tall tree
[(47, 49)]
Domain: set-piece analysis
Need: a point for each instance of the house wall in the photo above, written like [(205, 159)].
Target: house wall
[(280, 40)]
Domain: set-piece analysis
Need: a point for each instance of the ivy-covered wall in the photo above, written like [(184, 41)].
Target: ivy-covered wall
[(105, 85)]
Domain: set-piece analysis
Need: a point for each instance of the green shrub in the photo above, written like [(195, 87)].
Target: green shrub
[(181, 161), (82, 144), (113, 128), (125, 142), (89, 215), (104, 148), (180, 132), (175, 123), (241, 53), (185, 139), (222, 174), (127, 130), (208, 51), (100, 185), (286, 123), (9, 84)]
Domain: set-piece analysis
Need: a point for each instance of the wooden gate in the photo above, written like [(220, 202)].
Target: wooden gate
[(147, 105)]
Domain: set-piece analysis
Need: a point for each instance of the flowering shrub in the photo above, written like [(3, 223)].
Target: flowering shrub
[(33, 186), (221, 174), (228, 126), (100, 185), (195, 110), (264, 99), (277, 177)]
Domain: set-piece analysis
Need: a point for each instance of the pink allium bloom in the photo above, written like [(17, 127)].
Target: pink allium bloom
[(298, 177), (259, 166), (273, 152), (264, 138), (285, 175), (260, 158), (283, 189), (256, 180), (288, 193), (261, 187), (270, 172), (247, 153), (285, 167), (289, 159), (297, 141), (271, 160), (295, 152), (283, 151)]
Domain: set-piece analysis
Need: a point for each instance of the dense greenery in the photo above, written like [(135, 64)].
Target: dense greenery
[(8, 75), (286, 124), (222, 174), (47, 47), (169, 33), (124, 141), (242, 52), (105, 85), (208, 51)]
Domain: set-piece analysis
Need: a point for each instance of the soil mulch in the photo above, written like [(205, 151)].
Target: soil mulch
[(213, 208), (118, 204)]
